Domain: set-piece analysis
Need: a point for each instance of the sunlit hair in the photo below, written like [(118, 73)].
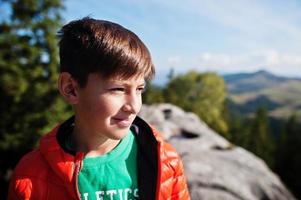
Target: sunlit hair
[(97, 46)]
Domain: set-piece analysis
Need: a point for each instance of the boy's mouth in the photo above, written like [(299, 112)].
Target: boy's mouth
[(123, 122)]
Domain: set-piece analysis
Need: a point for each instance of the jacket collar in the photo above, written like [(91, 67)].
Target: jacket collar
[(62, 161), (148, 159)]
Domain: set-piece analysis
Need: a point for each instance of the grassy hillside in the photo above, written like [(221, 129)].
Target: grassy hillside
[(281, 96)]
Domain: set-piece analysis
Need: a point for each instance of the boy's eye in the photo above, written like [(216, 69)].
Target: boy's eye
[(122, 90), (141, 89), (117, 89)]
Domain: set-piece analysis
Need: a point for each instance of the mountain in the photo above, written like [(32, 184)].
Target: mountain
[(281, 96)]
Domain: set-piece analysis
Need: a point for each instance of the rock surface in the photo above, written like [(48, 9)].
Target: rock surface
[(215, 169)]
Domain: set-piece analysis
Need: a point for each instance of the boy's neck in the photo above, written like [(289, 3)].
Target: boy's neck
[(91, 144)]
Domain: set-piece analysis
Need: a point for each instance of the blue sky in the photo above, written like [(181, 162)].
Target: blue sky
[(225, 36)]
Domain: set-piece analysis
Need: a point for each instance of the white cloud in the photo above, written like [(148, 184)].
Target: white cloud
[(269, 59)]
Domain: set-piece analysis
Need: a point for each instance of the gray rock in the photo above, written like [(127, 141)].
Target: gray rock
[(215, 168)]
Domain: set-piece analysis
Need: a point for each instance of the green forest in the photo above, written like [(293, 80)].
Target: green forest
[(31, 106)]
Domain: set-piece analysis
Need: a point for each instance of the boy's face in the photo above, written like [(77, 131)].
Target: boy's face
[(108, 107)]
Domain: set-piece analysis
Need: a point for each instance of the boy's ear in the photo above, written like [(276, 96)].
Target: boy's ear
[(68, 87)]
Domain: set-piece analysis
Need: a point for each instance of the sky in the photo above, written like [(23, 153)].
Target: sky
[(224, 36)]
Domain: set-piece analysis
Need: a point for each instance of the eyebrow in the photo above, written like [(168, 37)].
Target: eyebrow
[(125, 83)]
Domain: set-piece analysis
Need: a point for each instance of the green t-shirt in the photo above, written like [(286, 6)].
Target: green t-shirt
[(112, 176)]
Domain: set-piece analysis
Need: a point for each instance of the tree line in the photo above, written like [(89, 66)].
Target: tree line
[(30, 104), (29, 101)]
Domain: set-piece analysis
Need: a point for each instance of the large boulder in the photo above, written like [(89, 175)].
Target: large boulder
[(215, 168)]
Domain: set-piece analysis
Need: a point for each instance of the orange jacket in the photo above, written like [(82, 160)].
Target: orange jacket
[(51, 173)]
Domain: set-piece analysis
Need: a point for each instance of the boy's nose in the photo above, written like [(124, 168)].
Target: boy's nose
[(132, 104)]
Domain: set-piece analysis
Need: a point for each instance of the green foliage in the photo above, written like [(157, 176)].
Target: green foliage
[(238, 133), (29, 68), (260, 142), (283, 156), (29, 100), (288, 157), (201, 93), (253, 134), (153, 94)]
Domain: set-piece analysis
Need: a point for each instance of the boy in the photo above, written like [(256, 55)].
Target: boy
[(104, 151)]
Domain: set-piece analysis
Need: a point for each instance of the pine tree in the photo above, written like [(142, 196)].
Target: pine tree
[(260, 141), (238, 131), (29, 100), (288, 160)]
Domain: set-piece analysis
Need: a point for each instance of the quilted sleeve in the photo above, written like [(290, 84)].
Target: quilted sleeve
[(180, 189), (20, 189)]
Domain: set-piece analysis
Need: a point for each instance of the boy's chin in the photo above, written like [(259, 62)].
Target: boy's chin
[(120, 134)]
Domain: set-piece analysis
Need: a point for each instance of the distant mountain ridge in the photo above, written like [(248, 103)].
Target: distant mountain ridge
[(281, 96), (246, 82), (237, 76)]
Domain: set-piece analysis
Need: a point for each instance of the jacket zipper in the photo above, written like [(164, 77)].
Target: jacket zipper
[(78, 165), (159, 172)]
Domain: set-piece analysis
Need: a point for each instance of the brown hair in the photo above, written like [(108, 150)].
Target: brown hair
[(89, 45)]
